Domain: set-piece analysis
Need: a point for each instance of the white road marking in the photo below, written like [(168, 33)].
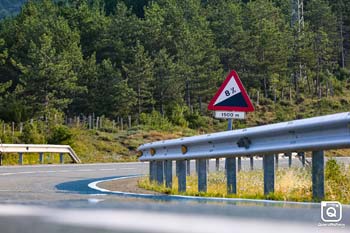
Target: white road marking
[(65, 171), (94, 185)]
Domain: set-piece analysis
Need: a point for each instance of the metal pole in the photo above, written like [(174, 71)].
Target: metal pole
[(160, 178), (318, 175), (0, 159), (251, 163), (239, 163), (41, 157), (202, 175), (217, 164), (168, 173), (289, 155), (152, 171), (188, 167), (61, 158), (20, 159), (229, 127), (181, 164), (231, 175), (302, 157), (269, 174)]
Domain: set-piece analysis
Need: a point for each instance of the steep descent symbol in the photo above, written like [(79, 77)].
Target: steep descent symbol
[(231, 96)]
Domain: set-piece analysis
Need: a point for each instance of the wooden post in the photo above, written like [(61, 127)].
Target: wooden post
[(97, 122), (13, 128), (129, 121)]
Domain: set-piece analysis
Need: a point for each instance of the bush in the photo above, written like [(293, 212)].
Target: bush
[(61, 135), (337, 181), (32, 135), (155, 121), (178, 115)]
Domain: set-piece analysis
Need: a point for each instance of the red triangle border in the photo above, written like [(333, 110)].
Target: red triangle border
[(250, 107)]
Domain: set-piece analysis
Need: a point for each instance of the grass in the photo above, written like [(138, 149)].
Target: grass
[(291, 184), (100, 146)]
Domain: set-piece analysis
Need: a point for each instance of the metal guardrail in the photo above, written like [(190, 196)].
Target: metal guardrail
[(313, 134), (318, 133), (37, 148)]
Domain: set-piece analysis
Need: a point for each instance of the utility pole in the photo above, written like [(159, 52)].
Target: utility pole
[(297, 19)]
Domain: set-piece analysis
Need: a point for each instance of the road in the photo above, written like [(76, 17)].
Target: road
[(56, 198)]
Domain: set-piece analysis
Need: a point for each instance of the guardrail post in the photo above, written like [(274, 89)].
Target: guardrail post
[(188, 167), (168, 173), (20, 158), (251, 163), (61, 158), (318, 175), (289, 155), (41, 157), (302, 157), (202, 175), (160, 178), (269, 174), (181, 165), (239, 163), (196, 166), (276, 159), (152, 171), (231, 175), (217, 164)]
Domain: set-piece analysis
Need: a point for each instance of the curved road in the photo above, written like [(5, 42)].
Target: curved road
[(56, 198)]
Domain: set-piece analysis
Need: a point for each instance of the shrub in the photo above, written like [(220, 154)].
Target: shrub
[(61, 135), (32, 135), (155, 121), (178, 115)]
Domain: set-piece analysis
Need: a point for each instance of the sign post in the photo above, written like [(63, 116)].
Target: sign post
[(230, 102)]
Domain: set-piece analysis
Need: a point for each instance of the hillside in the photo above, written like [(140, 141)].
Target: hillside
[(158, 63)]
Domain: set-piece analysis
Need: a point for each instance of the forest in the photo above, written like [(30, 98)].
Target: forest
[(117, 58)]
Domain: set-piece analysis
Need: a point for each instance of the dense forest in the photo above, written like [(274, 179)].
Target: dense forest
[(120, 58)]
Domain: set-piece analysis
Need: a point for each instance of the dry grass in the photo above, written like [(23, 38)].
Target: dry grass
[(290, 184)]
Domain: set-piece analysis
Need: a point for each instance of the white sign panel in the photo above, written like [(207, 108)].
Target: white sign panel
[(229, 115)]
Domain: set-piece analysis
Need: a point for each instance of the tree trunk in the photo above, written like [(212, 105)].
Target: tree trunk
[(139, 97), (342, 42)]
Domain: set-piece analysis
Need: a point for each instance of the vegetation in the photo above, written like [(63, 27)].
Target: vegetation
[(120, 58), (292, 184), (160, 62)]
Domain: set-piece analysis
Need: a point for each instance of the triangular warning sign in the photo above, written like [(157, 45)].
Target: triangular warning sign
[(231, 96)]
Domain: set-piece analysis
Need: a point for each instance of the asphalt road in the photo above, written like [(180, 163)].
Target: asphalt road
[(56, 198)]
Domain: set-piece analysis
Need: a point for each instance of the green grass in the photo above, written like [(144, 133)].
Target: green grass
[(292, 184)]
